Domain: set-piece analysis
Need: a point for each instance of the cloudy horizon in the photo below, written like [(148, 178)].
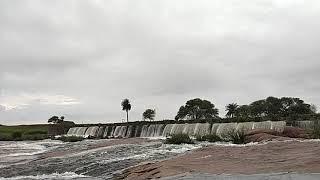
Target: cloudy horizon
[(81, 58)]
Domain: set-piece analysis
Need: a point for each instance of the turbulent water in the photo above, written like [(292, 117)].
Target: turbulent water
[(88, 159)]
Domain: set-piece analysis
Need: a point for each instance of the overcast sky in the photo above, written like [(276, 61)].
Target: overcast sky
[(80, 58)]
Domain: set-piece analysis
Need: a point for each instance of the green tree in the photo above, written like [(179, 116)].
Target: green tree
[(258, 108), (231, 109), (149, 114), (243, 111), (197, 109), (55, 119), (295, 106), (126, 106)]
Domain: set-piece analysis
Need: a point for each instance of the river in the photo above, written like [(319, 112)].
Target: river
[(88, 159)]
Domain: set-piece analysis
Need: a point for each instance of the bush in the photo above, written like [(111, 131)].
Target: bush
[(70, 138), (179, 139), (36, 132), (209, 138), (235, 136), (16, 135)]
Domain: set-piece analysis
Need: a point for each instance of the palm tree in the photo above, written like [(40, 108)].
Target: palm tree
[(231, 109), (126, 106)]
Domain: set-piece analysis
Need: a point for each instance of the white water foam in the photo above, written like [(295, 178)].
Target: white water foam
[(27, 148), (66, 175), (164, 149)]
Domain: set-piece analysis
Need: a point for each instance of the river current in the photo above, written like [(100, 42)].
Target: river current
[(88, 159)]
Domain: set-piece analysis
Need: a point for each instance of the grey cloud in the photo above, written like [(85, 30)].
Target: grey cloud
[(159, 54)]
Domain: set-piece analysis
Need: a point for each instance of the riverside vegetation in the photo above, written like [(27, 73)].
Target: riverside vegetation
[(234, 136), (24, 132)]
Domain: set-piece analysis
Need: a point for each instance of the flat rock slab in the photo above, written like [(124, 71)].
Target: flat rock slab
[(272, 157), (279, 176)]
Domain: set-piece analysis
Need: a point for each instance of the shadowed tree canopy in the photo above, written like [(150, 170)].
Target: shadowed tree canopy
[(275, 107), (149, 114), (56, 119), (126, 106), (231, 109), (197, 109)]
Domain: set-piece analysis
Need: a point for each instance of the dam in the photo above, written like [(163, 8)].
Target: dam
[(164, 130)]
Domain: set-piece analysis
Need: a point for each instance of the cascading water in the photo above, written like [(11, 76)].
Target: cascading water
[(202, 129), (278, 125), (92, 131), (189, 129), (245, 126), (72, 131), (101, 131), (156, 130), (144, 131), (81, 131), (224, 128), (116, 131), (129, 131), (177, 129), (138, 131), (305, 124), (262, 125), (159, 130), (167, 130), (120, 131)]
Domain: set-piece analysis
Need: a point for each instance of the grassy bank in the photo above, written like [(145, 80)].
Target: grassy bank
[(24, 132)]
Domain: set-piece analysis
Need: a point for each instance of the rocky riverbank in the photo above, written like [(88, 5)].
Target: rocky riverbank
[(288, 155)]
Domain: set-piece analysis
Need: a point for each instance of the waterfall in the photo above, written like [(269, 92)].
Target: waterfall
[(224, 128), (151, 130), (214, 128), (92, 131), (81, 131), (278, 125), (262, 125), (72, 131), (144, 131), (138, 131), (167, 130), (189, 129), (108, 132), (202, 129), (129, 131), (245, 126), (101, 131), (120, 131), (155, 130), (177, 129), (158, 130), (305, 124), (116, 131)]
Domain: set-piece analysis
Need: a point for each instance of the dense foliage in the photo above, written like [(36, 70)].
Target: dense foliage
[(197, 109), (149, 114), (179, 139), (209, 138), (235, 136), (70, 138), (56, 119), (272, 107)]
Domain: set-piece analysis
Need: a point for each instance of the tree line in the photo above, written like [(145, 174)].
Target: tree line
[(270, 107), (197, 108)]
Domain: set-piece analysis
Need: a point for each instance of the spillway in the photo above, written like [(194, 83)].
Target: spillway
[(158, 130)]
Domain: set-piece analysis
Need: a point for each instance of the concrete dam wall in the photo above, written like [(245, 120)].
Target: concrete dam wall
[(163, 130)]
